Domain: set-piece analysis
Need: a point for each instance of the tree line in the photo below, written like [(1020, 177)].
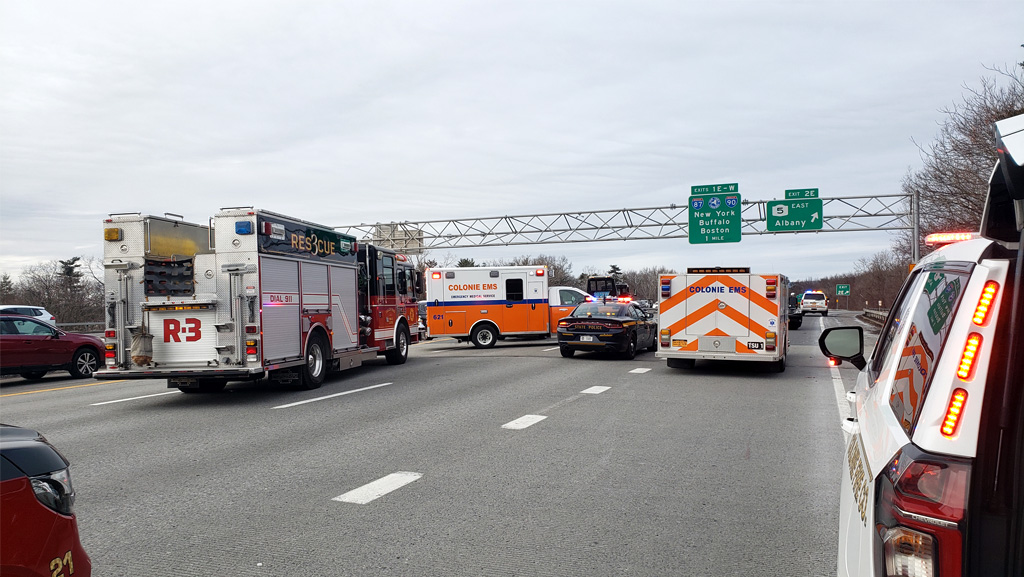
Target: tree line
[(951, 186)]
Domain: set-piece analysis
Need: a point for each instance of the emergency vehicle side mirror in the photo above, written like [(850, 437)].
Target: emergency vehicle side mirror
[(418, 283), (845, 344)]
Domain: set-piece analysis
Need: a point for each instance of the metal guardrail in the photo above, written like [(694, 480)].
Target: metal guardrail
[(876, 315)]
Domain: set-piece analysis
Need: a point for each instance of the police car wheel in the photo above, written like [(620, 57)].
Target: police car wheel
[(567, 352), (483, 337), (630, 352)]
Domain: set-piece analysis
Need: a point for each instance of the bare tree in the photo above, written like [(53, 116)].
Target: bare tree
[(646, 282), (953, 182)]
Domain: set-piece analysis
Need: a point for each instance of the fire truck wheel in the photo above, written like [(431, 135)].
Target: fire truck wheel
[(400, 353), (567, 352), (681, 363), (316, 363), (630, 352), (484, 336)]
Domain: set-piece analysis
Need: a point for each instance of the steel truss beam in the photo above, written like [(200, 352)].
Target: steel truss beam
[(841, 214)]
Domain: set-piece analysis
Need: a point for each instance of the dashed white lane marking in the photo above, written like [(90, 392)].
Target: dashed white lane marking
[(332, 396), (551, 349), (378, 488), (639, 371), (134, 398), (523, 422), (594, 390)]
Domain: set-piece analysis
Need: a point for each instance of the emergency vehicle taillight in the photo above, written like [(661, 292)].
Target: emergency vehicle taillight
[(109, 334), (921, 502), (251, 350), (666, 287), (666, 334), (769, 341), (953, 412), (988, 294), (969, 356), (252, 329), (112, 234), (435, 275)]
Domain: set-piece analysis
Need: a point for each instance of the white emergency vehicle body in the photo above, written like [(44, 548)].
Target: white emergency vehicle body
[(907, 398), (483, 304), (723, 314)]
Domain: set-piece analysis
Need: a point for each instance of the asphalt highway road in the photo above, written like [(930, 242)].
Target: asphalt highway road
[(507, 461)]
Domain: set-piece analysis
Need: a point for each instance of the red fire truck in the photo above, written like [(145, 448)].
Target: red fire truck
[(253, 295)]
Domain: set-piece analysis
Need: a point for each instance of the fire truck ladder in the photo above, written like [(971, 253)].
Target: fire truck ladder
[(840, 214)]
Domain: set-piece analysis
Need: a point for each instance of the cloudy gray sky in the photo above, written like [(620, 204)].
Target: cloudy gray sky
[(343, 112)]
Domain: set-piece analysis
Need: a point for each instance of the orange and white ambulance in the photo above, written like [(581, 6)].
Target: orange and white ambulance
[(485, 304), (725, 314)]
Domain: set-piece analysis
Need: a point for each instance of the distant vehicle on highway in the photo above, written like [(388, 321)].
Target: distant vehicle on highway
[(619, 327), (796, 315), (31, 348), (814, 302), (38, 528), (38, 313)]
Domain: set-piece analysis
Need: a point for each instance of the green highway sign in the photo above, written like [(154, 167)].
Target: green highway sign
[(714, 188), (842, 290), (802, 193), (787, 215), (715, 217)]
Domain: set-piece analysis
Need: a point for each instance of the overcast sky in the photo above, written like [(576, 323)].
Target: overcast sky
[(344, 112)]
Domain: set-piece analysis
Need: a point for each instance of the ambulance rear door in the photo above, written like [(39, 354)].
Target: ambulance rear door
[(718, 312)]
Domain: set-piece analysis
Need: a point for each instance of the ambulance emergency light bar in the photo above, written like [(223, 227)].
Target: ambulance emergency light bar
[(719, 270)]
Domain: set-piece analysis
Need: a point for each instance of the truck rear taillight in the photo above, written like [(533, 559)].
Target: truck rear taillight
[(969, 357), (988, 294), (666, 335), (920, 508), (252, 351), (110, 334), (771, 287), (666, 287), (769, 341)]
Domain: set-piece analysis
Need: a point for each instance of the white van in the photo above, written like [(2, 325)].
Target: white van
[(934, 465)]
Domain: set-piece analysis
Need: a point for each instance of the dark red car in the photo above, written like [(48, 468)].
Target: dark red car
[(31, 348), (38, 529)]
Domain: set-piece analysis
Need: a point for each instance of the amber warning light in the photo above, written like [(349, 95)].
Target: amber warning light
[(941, 238)]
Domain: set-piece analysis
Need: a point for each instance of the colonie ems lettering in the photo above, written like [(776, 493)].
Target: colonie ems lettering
[(473, 287), (717, 289)]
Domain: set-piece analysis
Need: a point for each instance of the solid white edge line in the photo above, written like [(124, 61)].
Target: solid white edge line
[(595, 390), (837, 385), (551, 349), (134, 398), (379, 488), (524, 421), (331, 396)]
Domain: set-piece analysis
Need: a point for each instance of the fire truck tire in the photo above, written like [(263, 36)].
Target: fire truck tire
[(315, 369), (400, 353), (567, 352), (484, 336), (681, 363)]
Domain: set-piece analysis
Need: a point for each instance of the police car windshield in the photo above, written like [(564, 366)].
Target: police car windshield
[(600, 310)]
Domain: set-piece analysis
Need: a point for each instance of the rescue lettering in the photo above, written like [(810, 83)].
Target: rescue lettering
[(313, 244), (174, 329)]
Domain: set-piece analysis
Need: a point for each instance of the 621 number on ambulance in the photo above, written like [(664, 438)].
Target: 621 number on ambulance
[(253, 295)]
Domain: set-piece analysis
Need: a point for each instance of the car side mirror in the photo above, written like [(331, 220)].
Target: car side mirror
[(844, 344)]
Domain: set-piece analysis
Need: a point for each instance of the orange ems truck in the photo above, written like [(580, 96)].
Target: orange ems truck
[(725, 314), (484, 304)]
